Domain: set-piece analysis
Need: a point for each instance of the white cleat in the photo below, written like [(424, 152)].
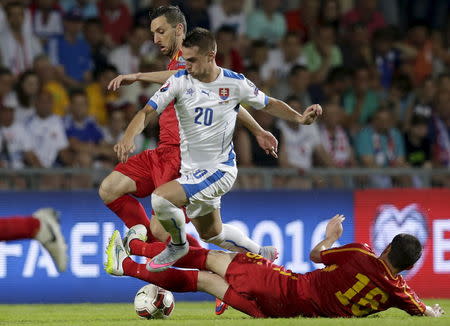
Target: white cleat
[(139, 232), (51, 237), (116, 254), (269, 252)]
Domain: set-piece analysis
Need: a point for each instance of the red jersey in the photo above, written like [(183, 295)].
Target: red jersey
[(168, 122), (355, 283)]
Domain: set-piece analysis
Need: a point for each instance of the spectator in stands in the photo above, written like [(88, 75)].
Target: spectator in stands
[(297, 85), (299, 145), (381, 145), (338, 82), (99, 95), (7, 97), (356, 47), (440, 130), (126, 57), (322, 54), (116, 20), (27, 89), (227, 55), (229, 13), (94, 36), (16, 148), (18, 46), (418, 146), (196, 12), (86, 139), (330, 14), (47, 19), (49, 140), (303, 20), (259, 56), (87, 8), (361, 102), (365, 12), (48, 76), (70, 52), (267, 23), (400, 98), (333, 137), (420, 43), (282, 59)]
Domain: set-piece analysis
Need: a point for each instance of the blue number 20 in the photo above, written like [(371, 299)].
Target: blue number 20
[(207, 116)]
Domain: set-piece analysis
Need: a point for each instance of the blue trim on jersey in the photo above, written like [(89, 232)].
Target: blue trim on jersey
[(232, 74), (266, 100), (192, 189), (231, 157), (153, 104), (181, 73)]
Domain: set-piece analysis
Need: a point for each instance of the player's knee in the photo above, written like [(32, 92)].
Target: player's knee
[(105, 192)]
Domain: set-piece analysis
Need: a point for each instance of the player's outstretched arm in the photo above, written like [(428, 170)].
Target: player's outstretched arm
[(265, 139), (283, 111), (333, 233), (126, 145), (158, 77), (435, 311)]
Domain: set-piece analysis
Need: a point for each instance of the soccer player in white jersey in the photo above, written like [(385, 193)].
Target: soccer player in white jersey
[(207, 99)]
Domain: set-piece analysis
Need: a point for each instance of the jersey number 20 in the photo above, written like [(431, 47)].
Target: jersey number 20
[(204, 116)]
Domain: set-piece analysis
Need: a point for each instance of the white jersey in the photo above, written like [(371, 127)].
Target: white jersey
[(207, 115)]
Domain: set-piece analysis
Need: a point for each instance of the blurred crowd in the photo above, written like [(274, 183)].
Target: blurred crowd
[(379, 68)]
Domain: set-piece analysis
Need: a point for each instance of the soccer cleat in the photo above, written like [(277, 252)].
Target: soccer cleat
[(139, 232), (269, 252), (220, 307), (51, 237), (116, 254), (167, 257)]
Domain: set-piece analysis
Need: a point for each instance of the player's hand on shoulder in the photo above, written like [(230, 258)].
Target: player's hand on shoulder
[(124, 148), (122, 80), (268, 143), (311, 114), (334, 227)]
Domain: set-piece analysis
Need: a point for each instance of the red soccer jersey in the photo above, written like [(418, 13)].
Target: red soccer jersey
[(168, 122), (354, 283)]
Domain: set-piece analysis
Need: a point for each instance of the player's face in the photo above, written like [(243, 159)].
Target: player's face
[(164, 35), (197, 63)]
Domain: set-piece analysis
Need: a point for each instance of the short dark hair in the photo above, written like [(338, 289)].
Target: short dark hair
[(296, 69), (173, 14), (405, 251), (77, 92), (5, 71), (227, 29), (202, 38), (11, 5)]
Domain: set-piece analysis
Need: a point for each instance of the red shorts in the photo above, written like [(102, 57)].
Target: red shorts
[(268, 284), (152, 168)]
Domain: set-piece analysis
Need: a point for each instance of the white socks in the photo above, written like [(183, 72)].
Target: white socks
[(231, 238), (171, 218)]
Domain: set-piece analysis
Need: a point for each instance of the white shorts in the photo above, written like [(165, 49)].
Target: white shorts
[(204, 188)]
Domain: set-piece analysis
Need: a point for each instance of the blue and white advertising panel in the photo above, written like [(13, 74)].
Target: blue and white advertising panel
[(293, 221)]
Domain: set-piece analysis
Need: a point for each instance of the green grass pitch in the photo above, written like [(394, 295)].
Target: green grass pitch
[(189, 313)]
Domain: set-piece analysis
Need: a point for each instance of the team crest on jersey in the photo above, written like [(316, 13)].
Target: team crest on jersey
[(224, 93), (165, 87)]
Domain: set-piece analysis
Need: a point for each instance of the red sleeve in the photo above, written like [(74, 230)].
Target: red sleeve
[(342, 254), (408, 301)]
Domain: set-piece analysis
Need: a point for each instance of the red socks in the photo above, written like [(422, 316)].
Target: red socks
[(172, 279), (18, 227), (130, 211), (195, 258), (242, 303)]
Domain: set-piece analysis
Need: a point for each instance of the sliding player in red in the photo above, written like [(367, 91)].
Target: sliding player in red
[(354, 283), (42, 226)]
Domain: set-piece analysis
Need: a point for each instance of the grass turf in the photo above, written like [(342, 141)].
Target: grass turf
[(189, 313)]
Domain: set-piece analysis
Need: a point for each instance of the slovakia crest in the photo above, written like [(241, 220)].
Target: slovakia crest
[(224, 93), (165, 87)]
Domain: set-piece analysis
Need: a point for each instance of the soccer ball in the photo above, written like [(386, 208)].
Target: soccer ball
[(153, 302)]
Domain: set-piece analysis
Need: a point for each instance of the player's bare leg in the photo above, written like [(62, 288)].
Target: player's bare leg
[(166, 201), (116, 185)]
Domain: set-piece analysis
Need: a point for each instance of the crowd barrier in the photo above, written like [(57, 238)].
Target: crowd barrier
[(293, 221)]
